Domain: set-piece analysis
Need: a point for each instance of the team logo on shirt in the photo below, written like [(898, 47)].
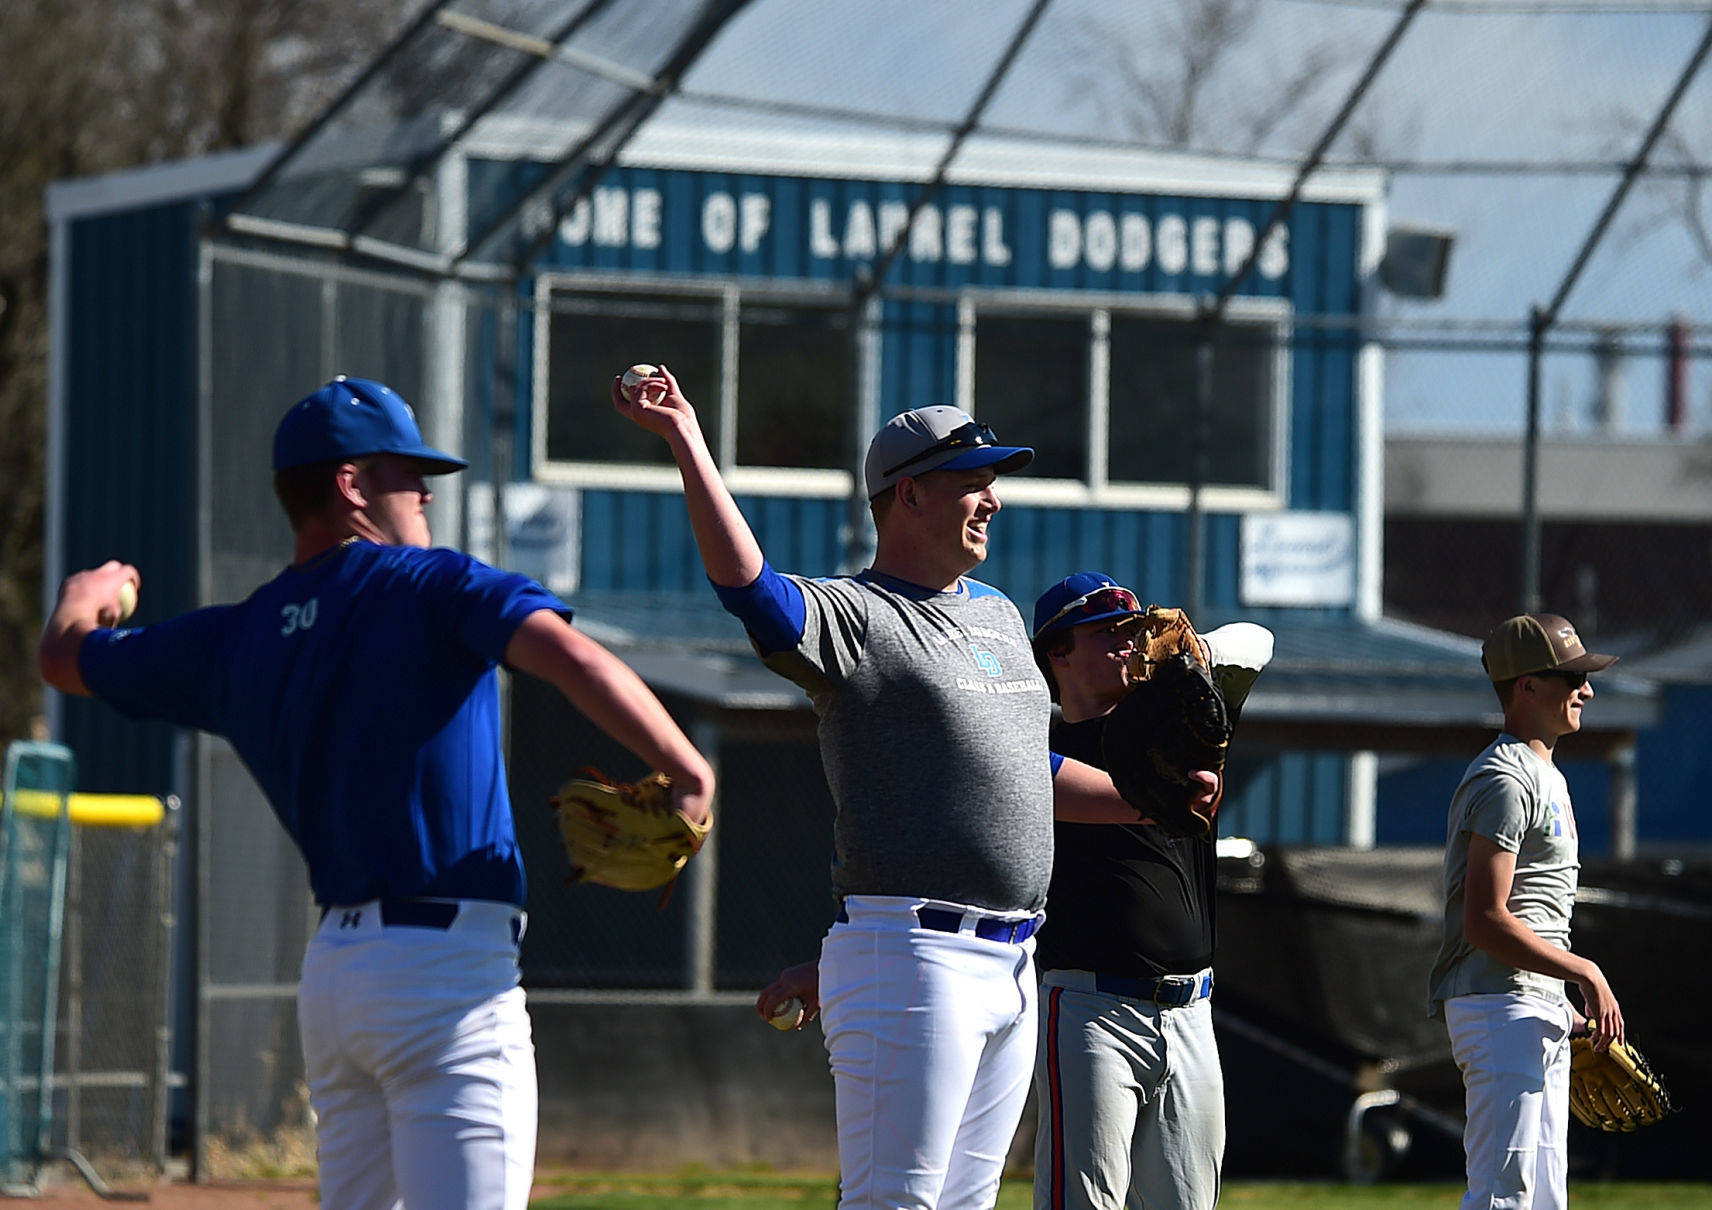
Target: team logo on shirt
[(985, 660), (1562, 819)]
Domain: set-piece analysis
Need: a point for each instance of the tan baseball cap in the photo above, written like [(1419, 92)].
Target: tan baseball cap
[(1537, 642)]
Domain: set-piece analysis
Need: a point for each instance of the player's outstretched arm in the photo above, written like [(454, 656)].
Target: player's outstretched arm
[(729, 551), (1084, 794), (87, 600), (1490, 926), (616, 700)]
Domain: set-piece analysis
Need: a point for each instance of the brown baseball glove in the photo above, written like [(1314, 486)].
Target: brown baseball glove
[(1172, 722), (1614, 1089), (626, 835)]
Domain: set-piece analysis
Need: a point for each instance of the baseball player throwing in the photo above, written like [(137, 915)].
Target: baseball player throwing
[(933, 733), (359, 688)]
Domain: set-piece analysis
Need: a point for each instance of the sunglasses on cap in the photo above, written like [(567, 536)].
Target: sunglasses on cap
[(1575, 680), (972, 435), (1095, 604)]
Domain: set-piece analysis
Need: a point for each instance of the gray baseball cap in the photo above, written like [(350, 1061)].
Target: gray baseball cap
[(936, 439)]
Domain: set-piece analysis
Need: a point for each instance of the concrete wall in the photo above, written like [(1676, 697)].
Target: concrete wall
[(659, 1087)]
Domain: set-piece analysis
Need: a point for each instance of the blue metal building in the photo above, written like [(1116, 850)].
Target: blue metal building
[(1050, 291)]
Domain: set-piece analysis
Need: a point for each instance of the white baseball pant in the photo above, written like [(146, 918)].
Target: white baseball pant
[(931, 1039), (1514, 1054), (420, 1062)]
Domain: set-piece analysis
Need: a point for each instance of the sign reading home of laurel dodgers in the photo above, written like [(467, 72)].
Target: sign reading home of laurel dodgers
[(1004, 234), (1298, 559)]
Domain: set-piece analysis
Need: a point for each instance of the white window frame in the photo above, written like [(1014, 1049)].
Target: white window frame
[(754, 480), (1094, 489)]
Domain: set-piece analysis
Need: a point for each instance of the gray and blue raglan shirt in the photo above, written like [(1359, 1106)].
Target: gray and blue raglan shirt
[(933, 732)]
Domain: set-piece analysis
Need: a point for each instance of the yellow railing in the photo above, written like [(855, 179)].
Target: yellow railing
[(95, 810)]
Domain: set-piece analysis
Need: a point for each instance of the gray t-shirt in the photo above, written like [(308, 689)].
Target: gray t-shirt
[(933, 733), (1520, 802)]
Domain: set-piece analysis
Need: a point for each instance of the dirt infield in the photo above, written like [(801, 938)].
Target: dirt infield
[(295, 1194), (224, 1195)]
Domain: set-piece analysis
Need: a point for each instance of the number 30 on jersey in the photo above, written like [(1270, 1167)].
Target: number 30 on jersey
[(298, 617)]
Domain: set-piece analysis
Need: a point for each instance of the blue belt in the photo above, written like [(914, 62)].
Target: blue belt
[(1171, 991), (945, 920)]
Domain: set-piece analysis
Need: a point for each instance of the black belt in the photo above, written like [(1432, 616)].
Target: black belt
[(406, 913), (1172, 991), (944, 920)]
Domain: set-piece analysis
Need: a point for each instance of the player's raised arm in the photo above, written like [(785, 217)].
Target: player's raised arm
[(100, 596), (729, 551)]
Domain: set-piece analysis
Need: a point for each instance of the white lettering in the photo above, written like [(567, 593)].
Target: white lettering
[(994, 250), (925, 235), (1135, 245), (1275, 254), (299, 617), (859, 232), (820, 241), (1101, 238), (1063, 240), (1239, 242), (1206, 246), (611, 217), (537, 218), (757, 218), (645, 218), (574, 227), (960, 235), (894, 217), (719, 222), (1171, 244)]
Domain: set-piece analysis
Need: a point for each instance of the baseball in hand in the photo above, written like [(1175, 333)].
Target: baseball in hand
[(788, 1015), (127, 599), (634, 377)]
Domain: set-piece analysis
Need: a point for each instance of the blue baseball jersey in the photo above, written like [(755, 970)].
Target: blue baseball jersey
[(361, 691)]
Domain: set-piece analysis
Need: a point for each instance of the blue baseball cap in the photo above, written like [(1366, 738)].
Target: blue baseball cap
[(938, 438), (1086, 596), (352, 418)]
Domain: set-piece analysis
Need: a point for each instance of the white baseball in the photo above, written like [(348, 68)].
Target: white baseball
[(788, 1015), (127, 599), (635, 376)]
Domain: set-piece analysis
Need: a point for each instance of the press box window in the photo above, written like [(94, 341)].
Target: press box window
[(770, 396), (792, 371), (593, 335), (1031, 387), (1152, 401), (1107, 396)]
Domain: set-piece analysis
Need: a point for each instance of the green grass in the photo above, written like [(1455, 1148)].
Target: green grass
[(773, 1191)]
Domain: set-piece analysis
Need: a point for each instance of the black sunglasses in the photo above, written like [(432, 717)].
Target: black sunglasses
[(1575, 680), (971, 434)]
